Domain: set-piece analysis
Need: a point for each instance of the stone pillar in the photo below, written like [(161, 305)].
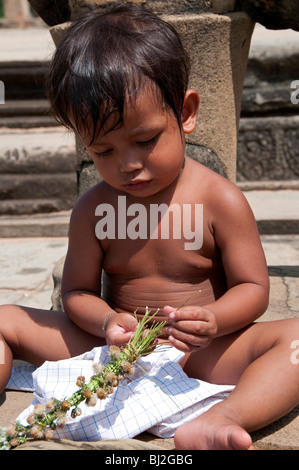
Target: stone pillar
[(16, 12), (218, 45)]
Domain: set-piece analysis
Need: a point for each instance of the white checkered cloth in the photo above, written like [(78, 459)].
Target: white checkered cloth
[(138, 404)]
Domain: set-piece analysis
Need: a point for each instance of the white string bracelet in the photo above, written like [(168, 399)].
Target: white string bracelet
[(105, 322)]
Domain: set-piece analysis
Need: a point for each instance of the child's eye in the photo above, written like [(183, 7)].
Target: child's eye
[(105, 153), (148, 143)]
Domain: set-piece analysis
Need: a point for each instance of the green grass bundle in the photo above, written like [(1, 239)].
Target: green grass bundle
[(44, 420)]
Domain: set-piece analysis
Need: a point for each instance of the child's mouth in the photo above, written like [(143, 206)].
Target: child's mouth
[(137, 184)]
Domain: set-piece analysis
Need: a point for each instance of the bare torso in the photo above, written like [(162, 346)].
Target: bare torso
[(154, 272)]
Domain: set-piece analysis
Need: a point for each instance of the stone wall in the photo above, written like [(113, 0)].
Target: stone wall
[(268, 140)]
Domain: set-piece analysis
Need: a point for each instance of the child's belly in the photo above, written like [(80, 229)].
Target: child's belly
[(157, 291)]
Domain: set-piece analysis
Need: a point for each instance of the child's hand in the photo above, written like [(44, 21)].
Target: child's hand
[(120, 329), (191, 327)]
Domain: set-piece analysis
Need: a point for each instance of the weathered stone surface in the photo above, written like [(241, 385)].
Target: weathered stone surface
[(272, 14), (38, 171), (159, 7), (218, 46), (270, 86), (88, 177), (205, 156), (22, 205), (26, 113), (64, 444), (24, 79), (268, 149), (223, 6), (281, 435), (41, 223), (57, 278), (268, 99)]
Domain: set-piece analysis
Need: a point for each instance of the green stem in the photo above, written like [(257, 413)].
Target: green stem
[(187, 300)]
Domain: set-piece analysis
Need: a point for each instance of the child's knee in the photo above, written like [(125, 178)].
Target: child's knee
[(287, 333), (5, 310), (8, 311), (290, 326), (290, 329), (10, 316)]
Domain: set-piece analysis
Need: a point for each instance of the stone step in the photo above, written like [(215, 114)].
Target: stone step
[(276, 212), (24, 79), (25, 107), (38, 170), (37, 151), (21, 194), (26, 113), (35, 225), (44, 205)]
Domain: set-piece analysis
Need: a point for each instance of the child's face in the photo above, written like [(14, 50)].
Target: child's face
[(145, 154)]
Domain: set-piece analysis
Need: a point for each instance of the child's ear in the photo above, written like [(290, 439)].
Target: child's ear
[(189, 111)]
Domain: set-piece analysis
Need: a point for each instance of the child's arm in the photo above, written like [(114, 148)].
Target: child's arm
[(247, 294), (81, 283)]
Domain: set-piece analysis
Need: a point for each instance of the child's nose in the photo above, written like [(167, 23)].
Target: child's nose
[(131, 163)]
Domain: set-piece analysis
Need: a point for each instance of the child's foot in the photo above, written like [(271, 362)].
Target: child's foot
[(212, 431)]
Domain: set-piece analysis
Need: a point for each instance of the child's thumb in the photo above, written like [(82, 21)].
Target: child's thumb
[(167, 309)]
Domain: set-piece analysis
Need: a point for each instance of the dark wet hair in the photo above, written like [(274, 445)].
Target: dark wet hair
[(109, 55)]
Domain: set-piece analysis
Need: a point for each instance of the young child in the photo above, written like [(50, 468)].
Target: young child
[(120, 80)]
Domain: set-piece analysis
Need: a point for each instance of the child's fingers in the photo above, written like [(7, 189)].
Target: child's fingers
[(185, 346), (192, 313), (167, 310), (119, 338), (196, 328), (191, 341)]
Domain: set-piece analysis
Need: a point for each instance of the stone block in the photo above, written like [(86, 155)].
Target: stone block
[(268, 149), (272, 14), (88, 176), (159, 7), (223, 6)]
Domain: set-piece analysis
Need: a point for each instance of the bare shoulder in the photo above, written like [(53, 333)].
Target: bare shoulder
[(86, 204), (216, 189), (223, 201)]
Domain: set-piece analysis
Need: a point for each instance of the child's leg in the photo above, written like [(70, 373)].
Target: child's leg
[(259, 360), (38, 335)]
